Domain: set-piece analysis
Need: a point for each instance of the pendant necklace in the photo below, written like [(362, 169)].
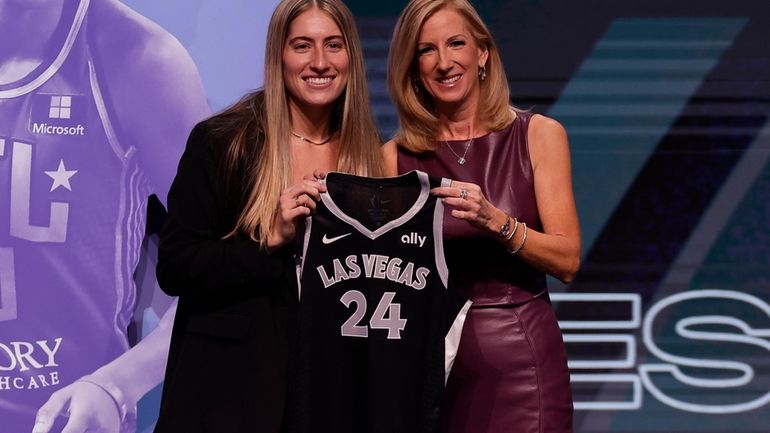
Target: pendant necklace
[(460, 159), (317, 143)]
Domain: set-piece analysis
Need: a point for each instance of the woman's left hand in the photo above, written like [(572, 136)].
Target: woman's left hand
[(469, 203)]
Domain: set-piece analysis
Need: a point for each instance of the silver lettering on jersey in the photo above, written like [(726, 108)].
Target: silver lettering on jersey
[(413, 238), (355, 271), (377, 267), (21, 167), (46, 129)]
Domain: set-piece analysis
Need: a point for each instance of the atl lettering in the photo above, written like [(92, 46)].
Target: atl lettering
[(20, 155)]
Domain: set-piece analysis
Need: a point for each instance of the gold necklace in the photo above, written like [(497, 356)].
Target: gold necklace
[(460, 159), (317, 143)]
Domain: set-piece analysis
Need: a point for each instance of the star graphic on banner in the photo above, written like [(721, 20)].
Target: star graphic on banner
[(61, 177)]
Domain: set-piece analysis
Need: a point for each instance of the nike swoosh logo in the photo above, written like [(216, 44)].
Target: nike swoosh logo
[(327, 240)]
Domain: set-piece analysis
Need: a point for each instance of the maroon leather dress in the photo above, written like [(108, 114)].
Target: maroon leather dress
[(510, 374)]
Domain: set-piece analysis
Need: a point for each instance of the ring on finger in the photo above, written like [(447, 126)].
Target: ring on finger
[(296, 202), (463, 194)]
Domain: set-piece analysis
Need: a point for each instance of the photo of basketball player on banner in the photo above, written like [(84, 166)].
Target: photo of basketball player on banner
[(95, 105)]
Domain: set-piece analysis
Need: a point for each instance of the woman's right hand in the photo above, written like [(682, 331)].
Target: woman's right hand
[(85, 406), (295, 203)]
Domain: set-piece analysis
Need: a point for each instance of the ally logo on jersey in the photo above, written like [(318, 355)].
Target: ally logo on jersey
[(58, 115)]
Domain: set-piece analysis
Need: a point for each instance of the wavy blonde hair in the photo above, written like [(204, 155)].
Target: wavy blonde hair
[(418, 121), (268, 113)]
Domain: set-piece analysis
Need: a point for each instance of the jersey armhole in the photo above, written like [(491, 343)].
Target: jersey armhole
[(301, 260), (438, 237)]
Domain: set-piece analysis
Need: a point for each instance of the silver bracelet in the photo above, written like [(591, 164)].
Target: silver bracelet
[(113, 391), (523, 239)]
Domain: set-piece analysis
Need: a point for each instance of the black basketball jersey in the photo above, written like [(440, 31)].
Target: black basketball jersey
[(378, 324)]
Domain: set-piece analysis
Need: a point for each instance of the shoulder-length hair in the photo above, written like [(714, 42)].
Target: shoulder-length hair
[(418, 120), (268, 112)]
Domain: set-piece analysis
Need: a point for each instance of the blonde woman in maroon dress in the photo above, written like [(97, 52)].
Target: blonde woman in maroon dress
[(512, 219)]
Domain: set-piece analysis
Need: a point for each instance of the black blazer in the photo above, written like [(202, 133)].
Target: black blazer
[(229, 347)]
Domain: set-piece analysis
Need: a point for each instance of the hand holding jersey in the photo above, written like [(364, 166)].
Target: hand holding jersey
[(468, 202), (296, 202)]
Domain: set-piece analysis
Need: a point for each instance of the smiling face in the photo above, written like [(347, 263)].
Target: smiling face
[(315, 61), (449, 59)]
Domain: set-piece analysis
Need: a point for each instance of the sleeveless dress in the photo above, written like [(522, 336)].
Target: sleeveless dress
[(72, 219), (511, 372)]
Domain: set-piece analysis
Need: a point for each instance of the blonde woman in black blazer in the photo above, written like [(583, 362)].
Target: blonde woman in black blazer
[(248, 178)]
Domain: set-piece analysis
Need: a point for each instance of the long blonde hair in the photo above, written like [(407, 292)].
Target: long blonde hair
[(418, 122), (359, 151)]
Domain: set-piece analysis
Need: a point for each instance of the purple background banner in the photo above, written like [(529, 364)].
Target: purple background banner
[(96, 100)]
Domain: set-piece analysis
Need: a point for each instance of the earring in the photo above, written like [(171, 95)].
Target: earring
[(416, 86), (482, 73)]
